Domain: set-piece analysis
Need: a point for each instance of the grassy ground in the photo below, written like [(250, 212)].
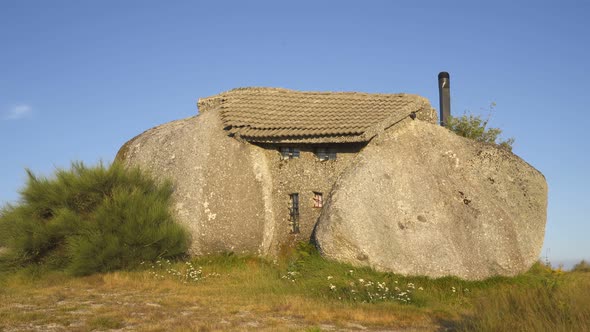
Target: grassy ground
[(301, 292)]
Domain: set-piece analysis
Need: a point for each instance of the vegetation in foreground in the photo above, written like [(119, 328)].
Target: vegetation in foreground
[(91, 219), (96, 248), (300, 291)]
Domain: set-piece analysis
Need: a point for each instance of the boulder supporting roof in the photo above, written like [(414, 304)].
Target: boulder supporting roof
[(273, 115)]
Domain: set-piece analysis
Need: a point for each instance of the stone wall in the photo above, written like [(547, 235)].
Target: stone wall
[(304, 175)]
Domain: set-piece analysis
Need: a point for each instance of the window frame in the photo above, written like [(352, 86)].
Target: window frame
[(294, 212), (324, 153), (289, 152), (318, 200)]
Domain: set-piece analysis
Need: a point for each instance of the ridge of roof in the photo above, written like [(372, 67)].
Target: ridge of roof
[(263, 89)]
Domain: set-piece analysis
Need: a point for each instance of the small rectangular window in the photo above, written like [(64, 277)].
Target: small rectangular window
[(284, 152), (289, 152), (294, 212), (318, 200), (331, 153), (324, 153)]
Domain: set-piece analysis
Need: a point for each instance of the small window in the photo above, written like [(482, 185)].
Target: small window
[(324, 153), (318, 200), (331, 153), (289, 152), (294, 212)]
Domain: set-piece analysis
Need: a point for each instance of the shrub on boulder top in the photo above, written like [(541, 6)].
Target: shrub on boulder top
[(91, 219), (475, 127)]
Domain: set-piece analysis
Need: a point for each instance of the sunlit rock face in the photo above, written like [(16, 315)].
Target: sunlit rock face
[(420, 200), (218, 182)]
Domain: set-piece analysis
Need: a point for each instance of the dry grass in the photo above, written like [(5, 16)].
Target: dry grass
[(240, 294), (562, 304), (242, 298)]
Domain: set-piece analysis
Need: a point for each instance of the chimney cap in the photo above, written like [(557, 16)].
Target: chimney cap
[(443, 74)]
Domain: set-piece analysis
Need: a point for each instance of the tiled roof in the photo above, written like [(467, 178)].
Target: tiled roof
[(288, 116)]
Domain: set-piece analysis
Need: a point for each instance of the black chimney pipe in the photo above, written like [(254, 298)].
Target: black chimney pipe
[(444, 93)]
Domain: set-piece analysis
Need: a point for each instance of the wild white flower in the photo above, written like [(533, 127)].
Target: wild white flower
[(332, 287), (361, 280), (330, 277)]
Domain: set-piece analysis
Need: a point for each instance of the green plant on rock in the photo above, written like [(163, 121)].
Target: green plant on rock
[(91, 219), (476, 128)]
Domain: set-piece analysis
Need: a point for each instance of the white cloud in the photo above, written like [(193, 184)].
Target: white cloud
[(19, 112)]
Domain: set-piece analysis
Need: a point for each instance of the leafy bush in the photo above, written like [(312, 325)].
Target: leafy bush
[(475, 127), (91, 219)]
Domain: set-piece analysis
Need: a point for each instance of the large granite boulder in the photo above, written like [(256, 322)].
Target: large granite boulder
[(420, 200), (221, 185)]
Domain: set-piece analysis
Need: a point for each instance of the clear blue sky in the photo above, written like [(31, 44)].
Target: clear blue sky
[(79, 78)]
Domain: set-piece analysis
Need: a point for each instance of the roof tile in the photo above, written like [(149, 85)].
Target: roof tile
[(288, 116)]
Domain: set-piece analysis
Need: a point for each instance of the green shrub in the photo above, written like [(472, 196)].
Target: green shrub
[(91, 219), (475, 127)]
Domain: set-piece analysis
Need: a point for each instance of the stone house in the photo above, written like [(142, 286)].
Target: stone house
[(309, 139), (372, 179)]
